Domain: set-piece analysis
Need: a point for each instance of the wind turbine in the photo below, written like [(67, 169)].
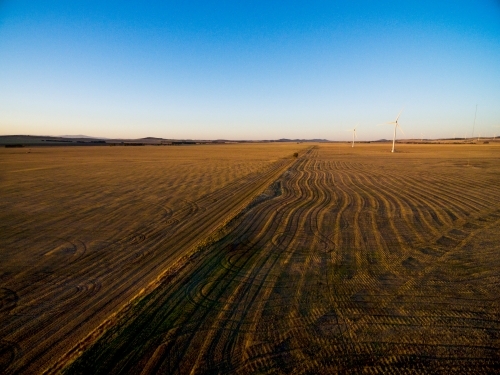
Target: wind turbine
[(396, 125), (353, 135), (495, 134)]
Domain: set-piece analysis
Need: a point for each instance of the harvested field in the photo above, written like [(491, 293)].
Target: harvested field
[(353, 260), (84, 230)]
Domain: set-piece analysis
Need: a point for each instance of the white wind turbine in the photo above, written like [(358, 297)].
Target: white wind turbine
[(495, 134), (396, 125), (353, 135)]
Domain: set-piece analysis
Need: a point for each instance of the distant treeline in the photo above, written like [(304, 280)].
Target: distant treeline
[(57, 140), (177, 143)]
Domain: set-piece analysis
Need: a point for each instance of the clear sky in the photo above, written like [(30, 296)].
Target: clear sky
[(254, 70)]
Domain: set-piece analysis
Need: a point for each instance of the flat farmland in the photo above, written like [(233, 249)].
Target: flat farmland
[(85, 230), (241, 259), (354, 261)]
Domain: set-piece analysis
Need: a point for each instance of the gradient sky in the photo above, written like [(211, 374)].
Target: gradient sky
[(265, 70)]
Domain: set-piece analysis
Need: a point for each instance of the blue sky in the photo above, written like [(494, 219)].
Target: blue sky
[(260, 70)]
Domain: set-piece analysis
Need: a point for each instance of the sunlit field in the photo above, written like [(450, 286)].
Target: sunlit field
[(245, 259)]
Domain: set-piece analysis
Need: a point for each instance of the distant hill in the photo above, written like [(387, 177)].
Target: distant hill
[(79, 136), (43, 140), (85, 140)]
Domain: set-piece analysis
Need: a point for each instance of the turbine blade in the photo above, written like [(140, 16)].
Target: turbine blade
[(400, 128), (399, 114)]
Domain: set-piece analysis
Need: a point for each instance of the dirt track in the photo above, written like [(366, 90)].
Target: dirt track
[(356, 260)]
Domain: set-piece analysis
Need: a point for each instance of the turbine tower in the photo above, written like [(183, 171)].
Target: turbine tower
[(396, 125), (353, 135)]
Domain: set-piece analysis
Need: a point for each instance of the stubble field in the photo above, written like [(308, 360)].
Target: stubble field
[(342, 260)]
